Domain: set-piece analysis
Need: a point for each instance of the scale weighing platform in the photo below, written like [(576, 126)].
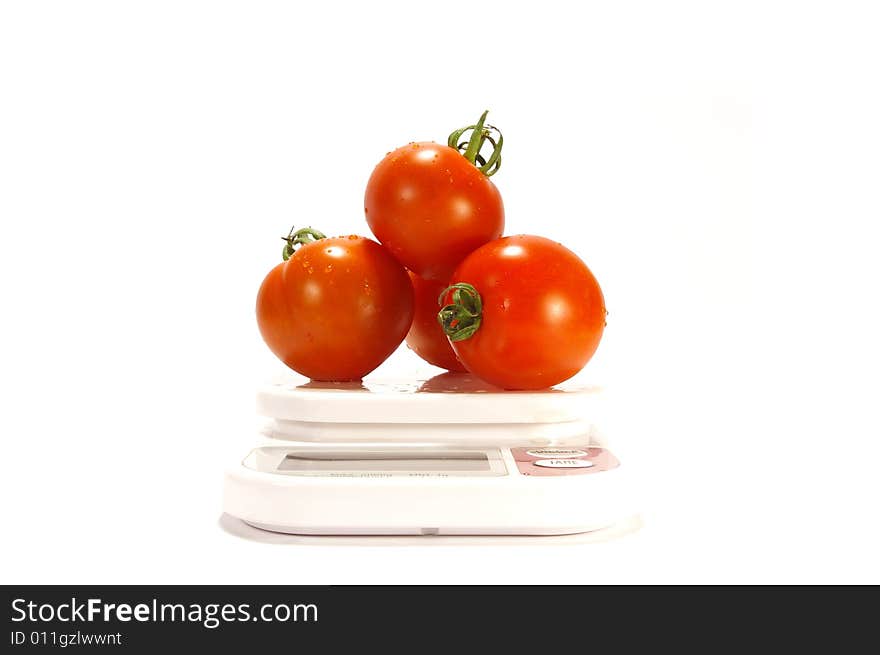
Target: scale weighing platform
[(450, 456)]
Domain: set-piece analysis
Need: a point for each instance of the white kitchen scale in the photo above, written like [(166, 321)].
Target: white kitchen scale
[(449, 456)]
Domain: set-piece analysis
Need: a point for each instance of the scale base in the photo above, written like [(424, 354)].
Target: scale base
[(309, 490), (536, 531), (445, 457)]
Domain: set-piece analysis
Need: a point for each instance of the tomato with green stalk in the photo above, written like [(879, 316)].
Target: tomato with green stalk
[(335, 308), (523, 312), (432, 205)]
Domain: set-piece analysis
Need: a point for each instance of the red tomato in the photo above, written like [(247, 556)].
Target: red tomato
[(529, 313), (336, 309), (431, 206), (426, 337)]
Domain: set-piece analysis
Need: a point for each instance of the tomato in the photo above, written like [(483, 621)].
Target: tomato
[(431, 206), (337, 308), (426, 337), (524, 313)]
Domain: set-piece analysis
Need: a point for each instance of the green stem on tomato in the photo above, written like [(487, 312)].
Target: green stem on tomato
[(463, 316), (301, 237), (470, 149)]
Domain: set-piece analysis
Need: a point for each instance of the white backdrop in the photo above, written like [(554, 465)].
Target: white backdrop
[(715, 164)]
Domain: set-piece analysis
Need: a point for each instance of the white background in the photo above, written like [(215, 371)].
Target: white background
[(716, 165)]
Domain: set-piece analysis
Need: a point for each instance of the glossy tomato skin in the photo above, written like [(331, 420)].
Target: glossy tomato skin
[(543, 313), (431, 208), (336, 309), (426, 338)]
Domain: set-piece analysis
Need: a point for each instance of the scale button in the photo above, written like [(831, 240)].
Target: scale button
[(556, 452), (563, 463)]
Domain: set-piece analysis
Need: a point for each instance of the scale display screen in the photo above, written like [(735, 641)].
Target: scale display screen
[(377, 462), (416, 462)]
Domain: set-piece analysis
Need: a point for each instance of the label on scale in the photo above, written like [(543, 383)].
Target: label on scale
[(564, 463), (543, 453)]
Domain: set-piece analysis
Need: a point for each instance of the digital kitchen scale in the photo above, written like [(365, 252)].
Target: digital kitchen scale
[(450, 456)]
